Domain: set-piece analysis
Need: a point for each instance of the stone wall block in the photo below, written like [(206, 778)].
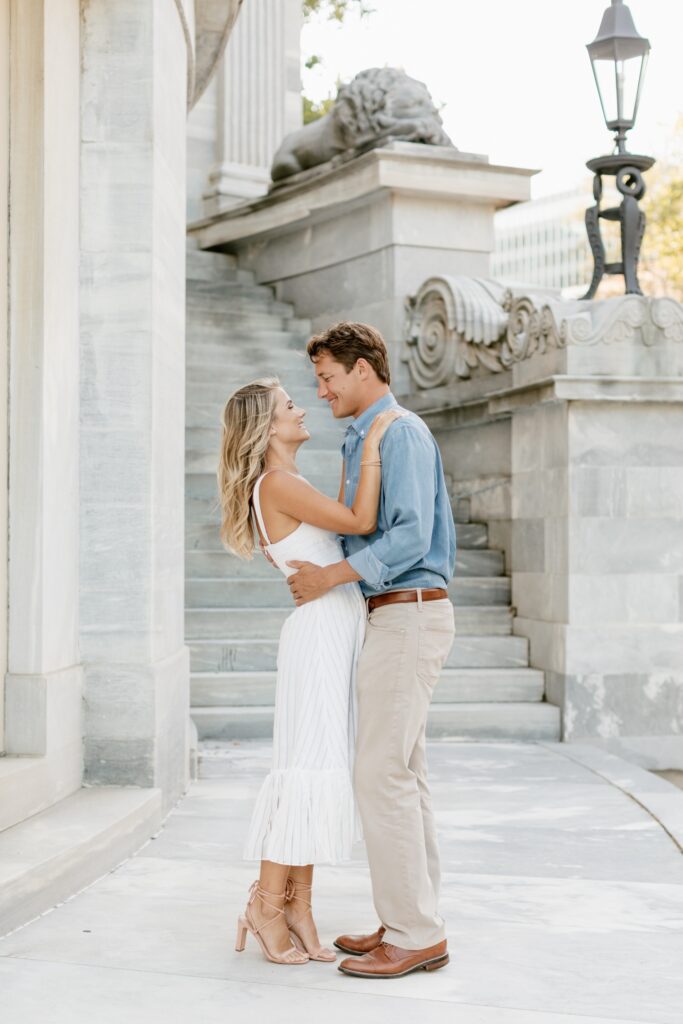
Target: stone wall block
[(528, 545), (598, 491), (627, 546), (631, 648), (637, 598), (540, 595), (626, 434), (612, 705)]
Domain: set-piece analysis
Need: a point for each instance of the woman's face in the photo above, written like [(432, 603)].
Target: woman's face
[(289, 419)]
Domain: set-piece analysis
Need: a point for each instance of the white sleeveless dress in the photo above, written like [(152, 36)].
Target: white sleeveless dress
[(305, 811)]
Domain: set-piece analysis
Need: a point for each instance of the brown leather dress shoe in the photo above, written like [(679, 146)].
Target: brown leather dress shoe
[(387, 961), (359, 944)]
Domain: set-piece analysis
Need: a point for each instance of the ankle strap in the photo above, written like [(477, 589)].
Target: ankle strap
[(292, 896), (256, 891)]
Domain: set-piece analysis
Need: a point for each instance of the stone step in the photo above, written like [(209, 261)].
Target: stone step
[(326, 435), (232, 655), (523, 722), (461, 510), (237, 323), (59, 851), (216, 296), (295, 379), (273, 592), (215, 392), (310, 460), (208, 414), (479, 562), (247, 622), (220, 563), (212, 294), (203, 484), (201, 533), (257, 689), (215, 268)]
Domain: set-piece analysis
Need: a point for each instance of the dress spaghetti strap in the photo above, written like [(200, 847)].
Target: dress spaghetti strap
[(257, 508)]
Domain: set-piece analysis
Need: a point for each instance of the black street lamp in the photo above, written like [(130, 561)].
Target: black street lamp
[(618, 57)]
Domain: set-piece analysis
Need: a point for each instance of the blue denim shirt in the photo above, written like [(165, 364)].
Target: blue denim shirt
[(414, 543)]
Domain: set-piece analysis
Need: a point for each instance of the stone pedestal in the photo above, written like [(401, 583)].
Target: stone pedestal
[(351, 241), (574, 412), (132, 394)]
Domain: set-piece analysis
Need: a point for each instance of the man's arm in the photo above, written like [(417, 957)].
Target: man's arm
[(409, 488)]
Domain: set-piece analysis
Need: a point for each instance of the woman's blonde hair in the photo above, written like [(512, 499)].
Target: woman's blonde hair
[(247, 419)]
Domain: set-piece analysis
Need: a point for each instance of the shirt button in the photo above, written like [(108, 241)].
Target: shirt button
[(362, 433), (348, 482)]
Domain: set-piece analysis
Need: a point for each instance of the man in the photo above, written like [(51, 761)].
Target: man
[(403, 569)]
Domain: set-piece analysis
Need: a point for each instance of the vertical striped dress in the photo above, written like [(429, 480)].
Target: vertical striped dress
[(305, 811)]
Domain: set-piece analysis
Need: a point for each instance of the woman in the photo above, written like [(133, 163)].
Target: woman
[(304, 813)]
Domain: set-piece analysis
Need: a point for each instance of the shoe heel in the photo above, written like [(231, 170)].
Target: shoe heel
[(241, 940), (435, 964)]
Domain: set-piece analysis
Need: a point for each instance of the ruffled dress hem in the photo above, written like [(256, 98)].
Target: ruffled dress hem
[(303, 817)]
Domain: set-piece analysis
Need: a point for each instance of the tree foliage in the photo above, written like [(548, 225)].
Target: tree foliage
[(313, 110), (334, 10), (662, 254)]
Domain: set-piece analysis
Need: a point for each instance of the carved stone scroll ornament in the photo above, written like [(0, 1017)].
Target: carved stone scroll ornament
[(452, 322), (458, 326)]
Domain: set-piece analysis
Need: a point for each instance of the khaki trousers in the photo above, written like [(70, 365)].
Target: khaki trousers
[(405, 648)]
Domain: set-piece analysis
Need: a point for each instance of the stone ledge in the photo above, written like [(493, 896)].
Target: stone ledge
[(418, 169), (659, 798), (58, 852), (442, 408)]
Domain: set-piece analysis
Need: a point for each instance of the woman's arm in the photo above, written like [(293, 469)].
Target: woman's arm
[(297, 498), (340, 496)]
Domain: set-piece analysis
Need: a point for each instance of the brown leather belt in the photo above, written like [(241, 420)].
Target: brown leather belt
[(405, 596)]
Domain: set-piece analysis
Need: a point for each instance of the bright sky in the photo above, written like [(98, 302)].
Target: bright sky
[(513, 75)]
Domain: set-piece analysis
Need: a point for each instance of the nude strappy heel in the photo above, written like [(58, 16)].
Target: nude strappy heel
[(245, 923), (292, 891)]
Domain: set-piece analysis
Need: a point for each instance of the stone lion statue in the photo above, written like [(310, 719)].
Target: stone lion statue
[(377, 105)]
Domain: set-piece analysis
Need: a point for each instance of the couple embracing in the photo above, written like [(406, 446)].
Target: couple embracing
[(358, 657)]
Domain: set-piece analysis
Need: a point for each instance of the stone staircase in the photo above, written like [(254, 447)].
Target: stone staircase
[(236, 331)]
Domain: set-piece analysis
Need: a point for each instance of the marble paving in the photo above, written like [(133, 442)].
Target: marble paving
[(563, 898)]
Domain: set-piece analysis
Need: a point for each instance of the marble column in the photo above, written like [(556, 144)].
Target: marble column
[(4, 325), (258, 100), (44, 681), (133, 116)]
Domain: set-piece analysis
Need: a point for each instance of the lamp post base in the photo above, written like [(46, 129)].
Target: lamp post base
[(627, 169)]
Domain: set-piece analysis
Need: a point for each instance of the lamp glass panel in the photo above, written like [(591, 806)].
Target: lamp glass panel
[(618, 85)]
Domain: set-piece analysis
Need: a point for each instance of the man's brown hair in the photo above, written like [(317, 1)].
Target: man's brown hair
[(348, 342)]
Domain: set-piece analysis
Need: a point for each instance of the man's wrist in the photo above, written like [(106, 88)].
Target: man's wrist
[(340, 572)]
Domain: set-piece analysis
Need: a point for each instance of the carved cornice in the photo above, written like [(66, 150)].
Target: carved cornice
[(460, 326)]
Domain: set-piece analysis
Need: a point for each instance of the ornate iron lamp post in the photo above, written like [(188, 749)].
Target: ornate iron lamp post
[(618, 57)]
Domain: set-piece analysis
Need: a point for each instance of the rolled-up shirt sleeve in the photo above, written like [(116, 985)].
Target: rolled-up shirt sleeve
[(408, 496)]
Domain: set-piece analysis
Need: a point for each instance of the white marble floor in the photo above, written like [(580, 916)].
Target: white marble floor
[(563, 897)]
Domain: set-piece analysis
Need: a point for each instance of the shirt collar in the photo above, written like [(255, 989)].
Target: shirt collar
[(361, 424)]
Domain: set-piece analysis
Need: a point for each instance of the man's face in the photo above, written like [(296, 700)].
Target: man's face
[(341, 390)]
